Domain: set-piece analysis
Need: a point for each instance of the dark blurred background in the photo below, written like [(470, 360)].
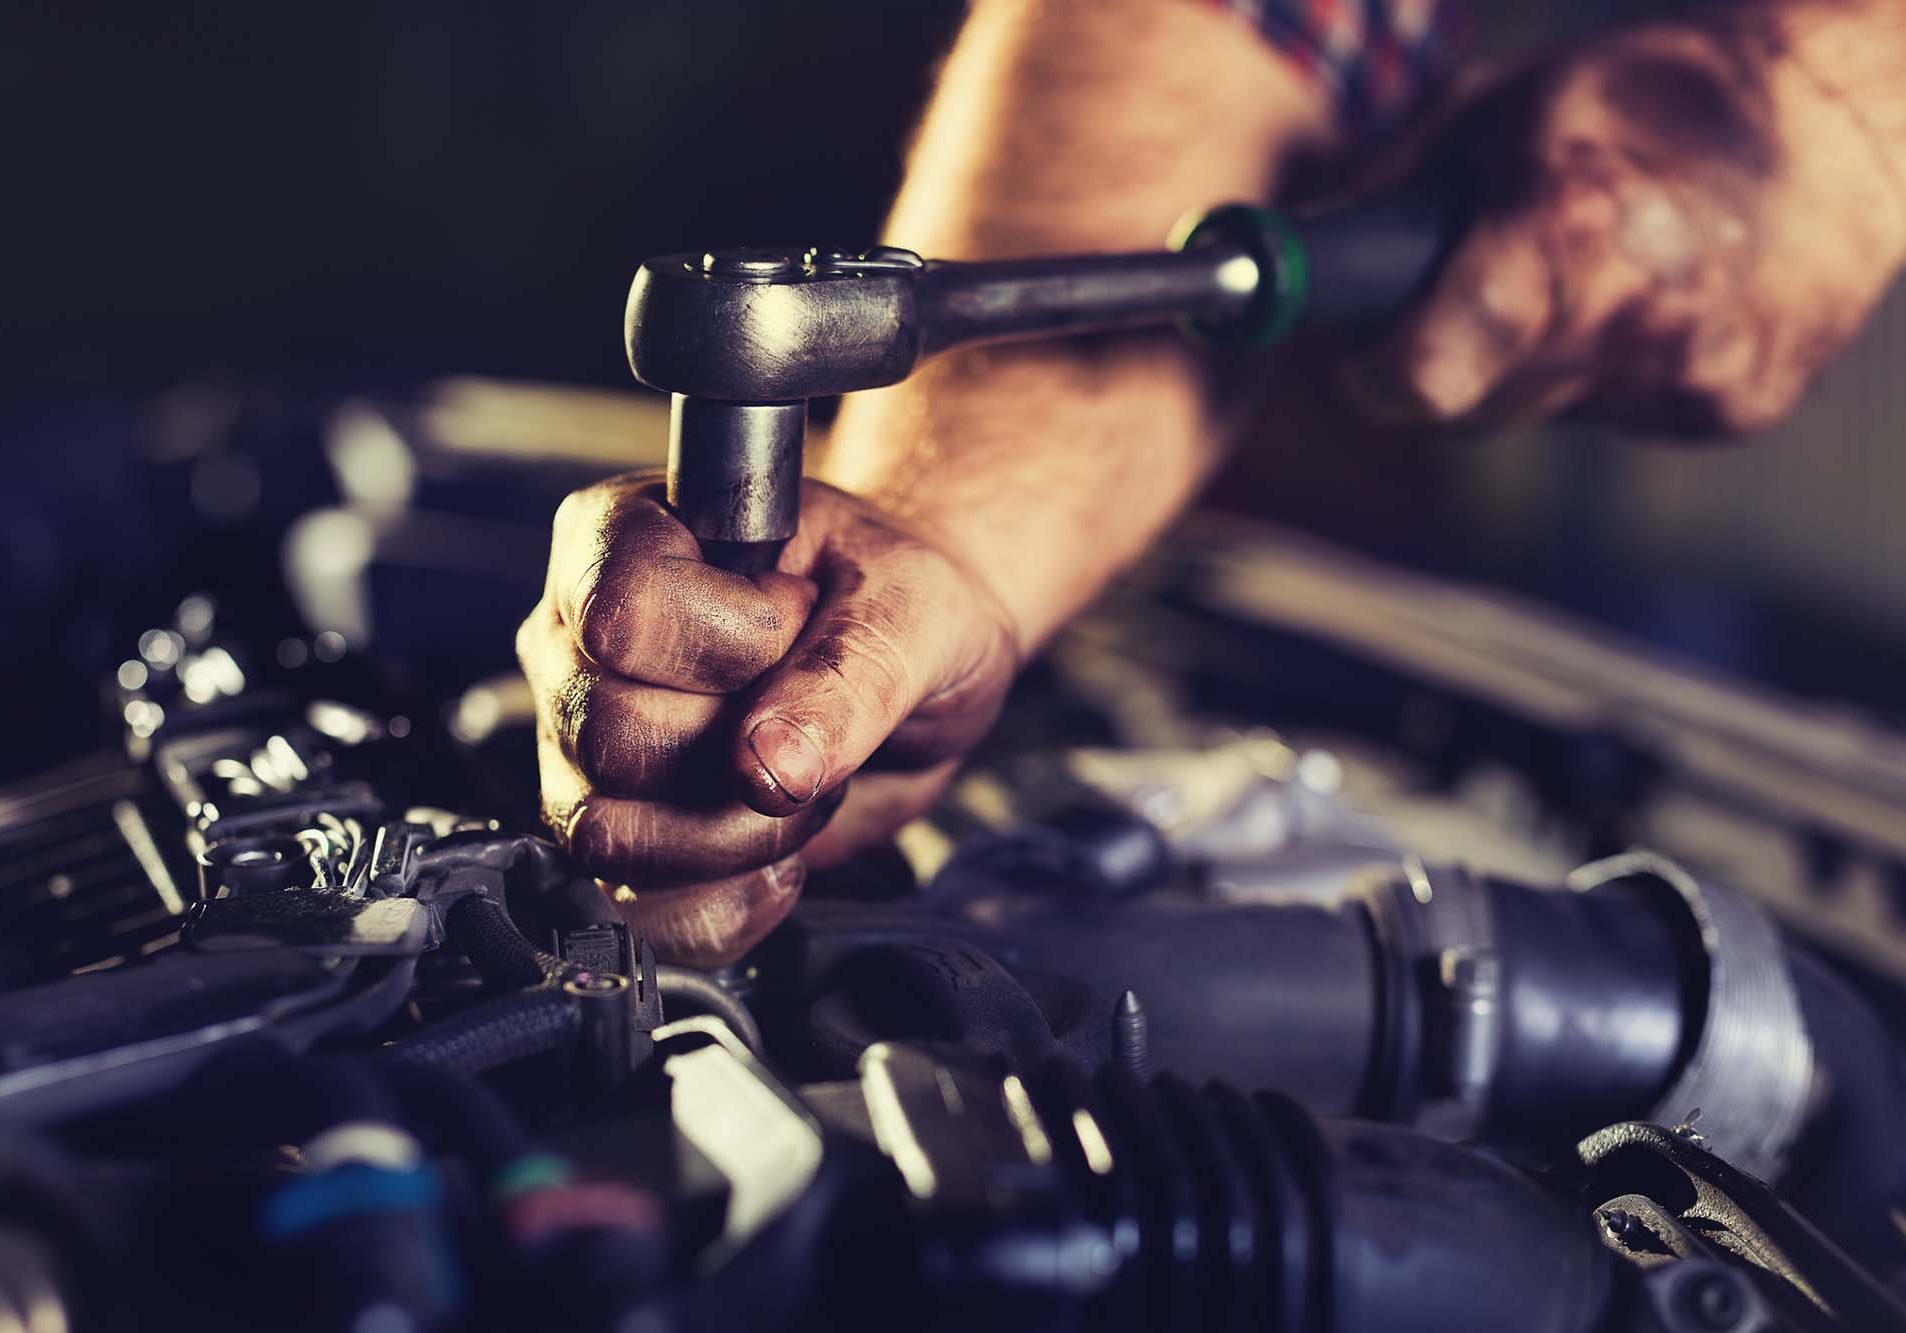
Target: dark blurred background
[(226, 220), (372, 189)]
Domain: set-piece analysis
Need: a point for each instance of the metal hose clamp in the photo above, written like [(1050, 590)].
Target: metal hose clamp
[(1751, 1072), (1436, 925)]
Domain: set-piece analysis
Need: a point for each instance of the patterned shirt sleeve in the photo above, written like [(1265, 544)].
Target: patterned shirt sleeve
[(1374, 57)]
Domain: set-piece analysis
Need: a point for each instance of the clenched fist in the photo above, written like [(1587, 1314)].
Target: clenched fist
[(1680, 226), (696, 728)]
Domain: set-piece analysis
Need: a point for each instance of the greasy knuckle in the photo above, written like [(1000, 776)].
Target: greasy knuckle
[(620, 746), (735, 639), (573, 819), (612, 836), (700, 633), (706, 846), (752, 842), (655, 620), (597, 747), (708, 662), (600, 613), (593, 837), (868, 653), (570, 705)]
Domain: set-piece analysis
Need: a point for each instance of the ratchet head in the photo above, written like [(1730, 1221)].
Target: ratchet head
[(741, 339)]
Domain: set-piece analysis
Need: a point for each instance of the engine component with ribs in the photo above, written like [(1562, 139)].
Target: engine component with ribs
[(942, 1119), (1474, 1007)]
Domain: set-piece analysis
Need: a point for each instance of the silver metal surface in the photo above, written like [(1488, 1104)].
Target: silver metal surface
[(1751, 1072)]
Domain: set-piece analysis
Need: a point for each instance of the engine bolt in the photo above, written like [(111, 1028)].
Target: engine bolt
[(596, 983), (1131, 1036), (1622, 1225)]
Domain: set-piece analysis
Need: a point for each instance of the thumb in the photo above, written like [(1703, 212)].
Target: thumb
[(885, 635)]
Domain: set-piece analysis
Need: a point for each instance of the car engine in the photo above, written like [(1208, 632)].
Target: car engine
[(1314, 947)]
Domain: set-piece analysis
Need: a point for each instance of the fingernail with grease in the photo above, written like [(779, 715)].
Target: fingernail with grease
[(790, 758)]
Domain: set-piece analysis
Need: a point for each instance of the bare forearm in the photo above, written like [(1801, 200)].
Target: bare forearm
[(1069, 125)]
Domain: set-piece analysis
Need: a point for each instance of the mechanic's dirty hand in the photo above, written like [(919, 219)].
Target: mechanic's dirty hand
[(697, 728), (1680, 226)]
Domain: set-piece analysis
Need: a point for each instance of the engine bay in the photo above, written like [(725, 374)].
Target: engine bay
[(1313, 946)]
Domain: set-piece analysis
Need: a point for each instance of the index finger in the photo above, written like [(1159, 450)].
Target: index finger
[(629, 583)]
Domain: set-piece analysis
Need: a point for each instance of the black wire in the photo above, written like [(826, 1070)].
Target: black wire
[(484, 931)]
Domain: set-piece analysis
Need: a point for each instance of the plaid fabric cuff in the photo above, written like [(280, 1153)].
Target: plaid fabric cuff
[(1373, 56)]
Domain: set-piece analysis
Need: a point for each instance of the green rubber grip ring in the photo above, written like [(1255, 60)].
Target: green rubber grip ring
[(1268, 237), (533, 1171)]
